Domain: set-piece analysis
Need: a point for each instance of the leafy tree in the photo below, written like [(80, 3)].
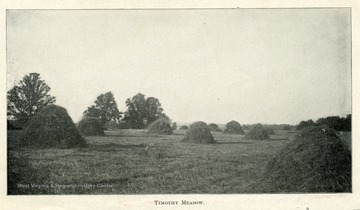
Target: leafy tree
[(28, 98), (174, 126), (105, 109), (337, 123), (142, 111), (304, 124)]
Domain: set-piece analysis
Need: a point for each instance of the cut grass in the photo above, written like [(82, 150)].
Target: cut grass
[(133, 162)]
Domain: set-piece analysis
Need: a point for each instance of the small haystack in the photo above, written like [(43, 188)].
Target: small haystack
[(214, 127), (269, 131), (257, 132), (52, 127), (183, 127), (234, 127), (90, 127), (315, 161), (199, 132), (160, 126)]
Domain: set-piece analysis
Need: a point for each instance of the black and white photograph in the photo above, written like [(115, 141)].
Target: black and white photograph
[(179, 101)]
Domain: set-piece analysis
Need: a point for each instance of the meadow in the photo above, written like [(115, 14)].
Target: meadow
[(134, 162)]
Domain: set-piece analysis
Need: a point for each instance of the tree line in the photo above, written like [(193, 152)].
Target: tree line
[(334, 122), (31, 94)]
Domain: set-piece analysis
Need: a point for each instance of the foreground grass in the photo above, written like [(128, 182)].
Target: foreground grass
[(119, 163)]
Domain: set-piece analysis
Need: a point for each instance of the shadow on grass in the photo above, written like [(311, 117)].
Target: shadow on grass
[(21, 176)]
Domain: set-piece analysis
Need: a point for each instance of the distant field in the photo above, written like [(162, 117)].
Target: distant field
[(118, 163)]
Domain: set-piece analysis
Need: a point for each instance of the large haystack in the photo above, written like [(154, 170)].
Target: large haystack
[(52, 127), (315, 161), (234, 127), (257, 132), (160, 126), (90, 127), (214, 127), (199, 132)]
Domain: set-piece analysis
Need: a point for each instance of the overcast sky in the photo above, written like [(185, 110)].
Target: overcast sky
[(248, 65)]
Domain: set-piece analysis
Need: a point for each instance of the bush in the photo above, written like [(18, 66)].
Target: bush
[(173, 126), (257, 132), (214, 127), (316, 161), (304, 124), (286, 128), (183, 127), (269, 131), (199, 132), (160, 126), (52, 127), (234, 127), (90, 127)]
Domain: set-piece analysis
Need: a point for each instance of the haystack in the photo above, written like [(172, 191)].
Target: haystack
[(199, 132), (234, 127), (315, 161), (214, 127), (258, 132), (160, 126), (183, 127), (90, 127), (52, 127), (269, 131)]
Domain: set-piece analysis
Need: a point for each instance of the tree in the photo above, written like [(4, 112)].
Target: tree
[(142, 111), (304, 124), (337, 123), (105, 109), (28, 98)]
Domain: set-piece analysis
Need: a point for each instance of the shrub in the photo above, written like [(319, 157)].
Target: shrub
[(269, 131), (257, 132), (90, 127), (315, 161), (286, 128), (304, 124), (214, 127), (183, 127), (52, 127), (173, 126), (199, 132), (160, 126), (234, 127)]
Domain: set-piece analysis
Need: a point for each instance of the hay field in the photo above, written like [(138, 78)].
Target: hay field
[(134, 162)]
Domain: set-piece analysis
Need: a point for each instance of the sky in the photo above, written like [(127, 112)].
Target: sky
[(214, 65)]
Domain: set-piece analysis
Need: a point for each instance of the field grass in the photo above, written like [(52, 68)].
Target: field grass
[(134, 162)]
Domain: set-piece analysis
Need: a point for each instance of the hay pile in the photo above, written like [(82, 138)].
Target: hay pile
[(269, 131), (90, 127), (214, 127), (316, 161), (160, 126), (234, 127), (199, 132), (52, 127), (257, 132), (183, 127)]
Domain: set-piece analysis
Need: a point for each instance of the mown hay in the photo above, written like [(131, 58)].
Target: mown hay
[(269, 131), (52, 127), (315, 161), (234, 127), (199, 132), (257, 132), (90, 127), (214, 127), (183, 127), (160, 126)]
